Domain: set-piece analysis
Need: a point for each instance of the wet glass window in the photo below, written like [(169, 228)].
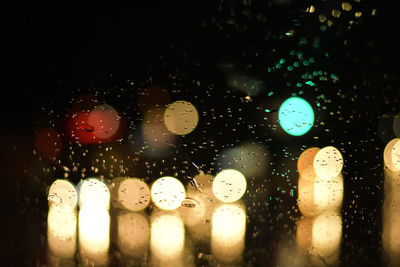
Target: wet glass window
[(223, 133)]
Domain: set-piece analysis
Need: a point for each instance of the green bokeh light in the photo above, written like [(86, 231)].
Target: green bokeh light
[(296, 116)]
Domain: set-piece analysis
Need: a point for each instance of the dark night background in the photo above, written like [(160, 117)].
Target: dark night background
[(51, 52)]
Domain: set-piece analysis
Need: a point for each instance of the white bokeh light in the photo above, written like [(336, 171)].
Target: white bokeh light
[(229, 185), (328, 163), (93, 191), (62, 194), (167, 193)]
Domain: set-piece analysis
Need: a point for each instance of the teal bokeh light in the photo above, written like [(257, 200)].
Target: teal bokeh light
[(296, 116)]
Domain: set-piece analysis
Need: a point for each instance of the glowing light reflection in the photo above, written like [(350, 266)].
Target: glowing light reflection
[(181, 117), (130, 193), (391, 155), (167, 193), (228, 231), (94, 234), (93, 191), (61, 232)]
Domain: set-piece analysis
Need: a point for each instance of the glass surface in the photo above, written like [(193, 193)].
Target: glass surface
[(111, 101)]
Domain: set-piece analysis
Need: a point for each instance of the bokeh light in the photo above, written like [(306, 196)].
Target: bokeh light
[(63, 194), (48, 143), (167, 237), (305, 163), (229, 185), (105, 121), (133, 233), (181, 117), (328, 163), (296, 116), (93, 191), (130, 193), (228, 232), (167, 193), (391, 155), (94, 233), (61, 232)]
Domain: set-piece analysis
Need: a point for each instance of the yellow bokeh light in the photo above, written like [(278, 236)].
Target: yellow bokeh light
[(229, 185), (167, 237), (328, 163), (305, 164), (391, 155), (94, 233), (167, 193), (133, 233), (228, 232), (93, 191), (130, 193), (63, 194), (181, 117), (61, 232)]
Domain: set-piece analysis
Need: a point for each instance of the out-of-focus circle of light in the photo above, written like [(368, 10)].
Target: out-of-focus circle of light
[(133, 233), (228, 232), (167, 236), (296, 116), (61, 232), (193, 213), (391, 155), (105, 121), (48, 142), (181, 117), (93, 191), (305, 164), (63, 194), (167, 193), (229, 185), (133, 194), (328, 163), (94, 230)]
